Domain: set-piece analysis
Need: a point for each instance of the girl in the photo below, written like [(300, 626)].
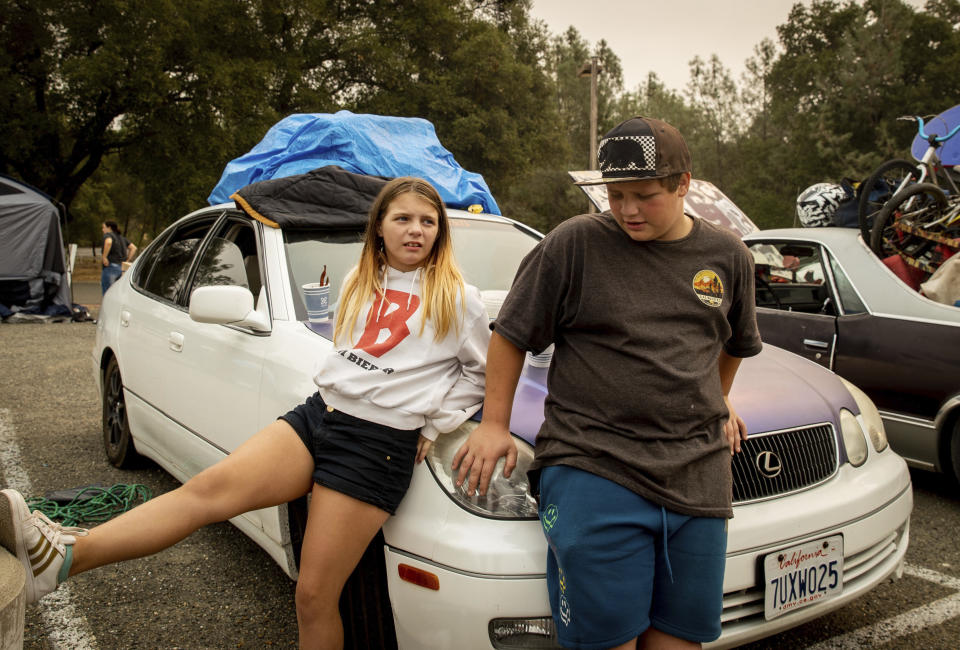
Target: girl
[(408, 363)]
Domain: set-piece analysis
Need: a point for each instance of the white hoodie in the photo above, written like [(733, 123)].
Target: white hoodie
[(386, 373)]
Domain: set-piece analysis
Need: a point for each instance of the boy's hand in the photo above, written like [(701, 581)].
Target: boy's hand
[(423, 446), (735, 429), (478, 456)]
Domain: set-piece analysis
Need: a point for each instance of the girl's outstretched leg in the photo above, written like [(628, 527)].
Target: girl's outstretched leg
[(339, 529), (272, 467)]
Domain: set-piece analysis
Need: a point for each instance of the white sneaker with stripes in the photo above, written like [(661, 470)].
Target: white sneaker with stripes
[(39, 544)]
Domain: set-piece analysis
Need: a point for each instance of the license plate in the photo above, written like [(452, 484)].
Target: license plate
[(802, 575)]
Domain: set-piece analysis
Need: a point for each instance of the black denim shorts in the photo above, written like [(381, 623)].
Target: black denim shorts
[(364, 460)]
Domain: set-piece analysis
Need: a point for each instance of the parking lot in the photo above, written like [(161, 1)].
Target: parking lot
[(217, 589)]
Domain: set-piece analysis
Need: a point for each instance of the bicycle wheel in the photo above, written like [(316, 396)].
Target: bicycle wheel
[(880, 188), (921, 203)]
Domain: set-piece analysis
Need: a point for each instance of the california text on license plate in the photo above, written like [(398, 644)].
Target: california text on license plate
[(802, 575)]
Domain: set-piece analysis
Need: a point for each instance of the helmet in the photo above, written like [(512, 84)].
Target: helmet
[(817, 204)]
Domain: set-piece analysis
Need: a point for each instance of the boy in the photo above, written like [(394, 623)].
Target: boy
[(650, 312)]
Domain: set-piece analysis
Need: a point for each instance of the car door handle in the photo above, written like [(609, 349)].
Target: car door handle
[(823, 345), (124, 318), (176, 341)]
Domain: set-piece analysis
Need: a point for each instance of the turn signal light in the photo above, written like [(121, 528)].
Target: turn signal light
[(419, 577)]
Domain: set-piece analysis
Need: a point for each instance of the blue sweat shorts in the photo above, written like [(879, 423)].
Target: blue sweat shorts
[(611, 571)]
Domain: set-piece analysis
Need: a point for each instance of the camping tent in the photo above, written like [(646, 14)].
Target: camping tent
[(33, 268)]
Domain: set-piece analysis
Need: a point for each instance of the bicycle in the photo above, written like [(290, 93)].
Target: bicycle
[(895, 175), (921, 224)]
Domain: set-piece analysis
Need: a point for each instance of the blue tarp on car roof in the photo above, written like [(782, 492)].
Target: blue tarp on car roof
[(373, 145)]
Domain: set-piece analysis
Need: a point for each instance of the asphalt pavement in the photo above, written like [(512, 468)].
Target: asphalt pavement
[(217, 589)]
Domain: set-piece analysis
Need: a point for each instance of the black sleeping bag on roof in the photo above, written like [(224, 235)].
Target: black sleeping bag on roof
[(329, 197)]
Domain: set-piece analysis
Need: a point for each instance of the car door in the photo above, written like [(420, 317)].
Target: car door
[(147, 333), (907, 365), (796, 305), (219, 367), (204, 379)]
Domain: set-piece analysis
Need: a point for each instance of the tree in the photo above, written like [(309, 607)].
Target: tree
[(712, 91), (101, 101), (567, 55), (833, 91), (652, 98), (174, 90), (85, 80), (756, 95), (930, 54)]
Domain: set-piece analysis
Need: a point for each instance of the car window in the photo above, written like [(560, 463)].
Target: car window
[(790, 276), (309, 252), (171, 265), (488, 254), (148, 258), (230, 258), (848, 296)]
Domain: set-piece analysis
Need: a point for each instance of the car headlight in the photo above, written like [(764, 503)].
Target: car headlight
[(869, 417), (853, 438), (506, 498)]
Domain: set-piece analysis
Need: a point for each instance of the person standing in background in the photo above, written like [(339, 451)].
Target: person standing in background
[(116, 250)]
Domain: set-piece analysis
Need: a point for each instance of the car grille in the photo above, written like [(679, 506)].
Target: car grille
[(785, 461)]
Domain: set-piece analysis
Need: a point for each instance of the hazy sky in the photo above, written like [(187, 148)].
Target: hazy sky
[(664, 35)]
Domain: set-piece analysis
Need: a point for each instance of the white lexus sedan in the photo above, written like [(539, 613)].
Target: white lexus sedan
[(822, 504)]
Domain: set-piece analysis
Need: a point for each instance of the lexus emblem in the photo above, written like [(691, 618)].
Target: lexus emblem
[(769, 464)]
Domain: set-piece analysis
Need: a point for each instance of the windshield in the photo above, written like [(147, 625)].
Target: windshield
[(487, 252)]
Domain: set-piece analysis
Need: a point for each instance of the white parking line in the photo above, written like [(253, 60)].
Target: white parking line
[(914, 620), (65, 627)]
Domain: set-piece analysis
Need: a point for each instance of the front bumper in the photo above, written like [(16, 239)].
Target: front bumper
[(870, 506)]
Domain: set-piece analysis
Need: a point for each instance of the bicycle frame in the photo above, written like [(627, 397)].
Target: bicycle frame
[(930, 162), (922, 207), (928, 166)]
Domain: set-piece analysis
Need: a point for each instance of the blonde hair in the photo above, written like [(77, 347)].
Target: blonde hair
[(442, 281)]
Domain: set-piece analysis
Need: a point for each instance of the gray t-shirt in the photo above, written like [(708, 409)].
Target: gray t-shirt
[(634, 391)]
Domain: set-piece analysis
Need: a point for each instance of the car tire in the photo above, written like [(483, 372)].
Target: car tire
[(117, 442), (955, 450), (365, 602), (888, 175), (885, 240)]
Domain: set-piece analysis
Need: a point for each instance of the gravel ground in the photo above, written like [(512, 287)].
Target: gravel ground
[(217, 589), (214, 590)]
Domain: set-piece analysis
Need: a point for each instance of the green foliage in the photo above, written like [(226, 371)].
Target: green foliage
[(712, 90), (543, 198), (176, 89), (842, 75), (567, 60), (129, 111), (111, 194)]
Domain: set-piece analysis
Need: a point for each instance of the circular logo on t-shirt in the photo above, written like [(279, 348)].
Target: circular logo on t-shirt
[(709, 289)]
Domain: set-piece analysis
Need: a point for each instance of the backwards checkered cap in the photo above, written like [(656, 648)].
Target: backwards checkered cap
[(640, 149)]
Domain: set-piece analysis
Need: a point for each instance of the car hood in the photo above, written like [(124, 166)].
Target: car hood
[(703, 200), (774, 390)]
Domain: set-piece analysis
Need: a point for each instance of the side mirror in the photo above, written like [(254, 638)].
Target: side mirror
[(227, 305)]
